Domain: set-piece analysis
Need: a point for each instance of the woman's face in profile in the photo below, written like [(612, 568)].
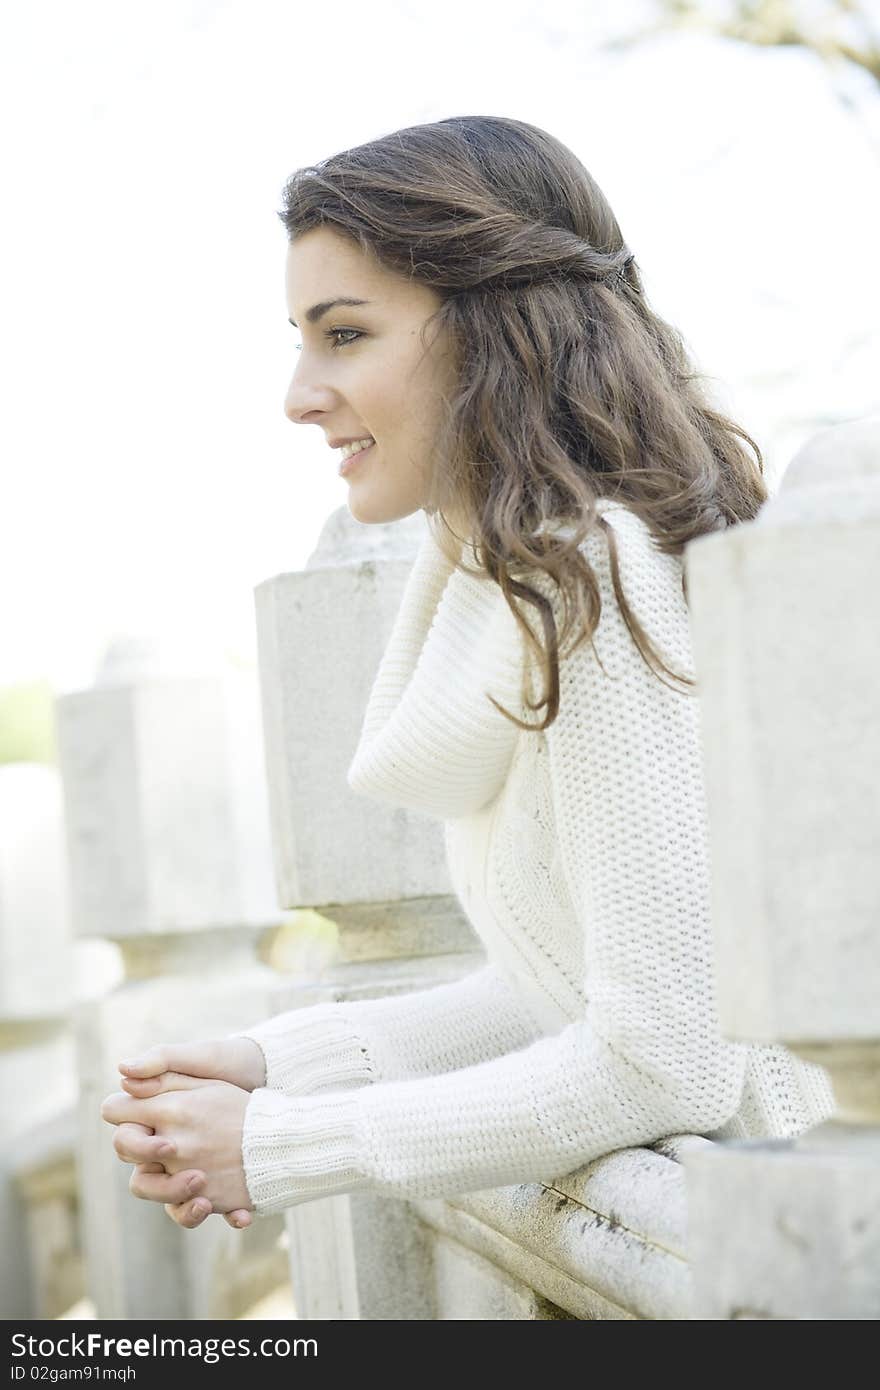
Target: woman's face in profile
[(362, 369)]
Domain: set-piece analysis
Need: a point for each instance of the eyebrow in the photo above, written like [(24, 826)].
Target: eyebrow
[(318, 311)]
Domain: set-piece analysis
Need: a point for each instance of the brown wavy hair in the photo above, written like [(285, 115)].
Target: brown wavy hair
[(569, 387)]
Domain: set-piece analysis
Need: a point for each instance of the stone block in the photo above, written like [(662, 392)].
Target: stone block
[(37, 1086), (787, 657), (786, 1228), (469, 1288), (321, 635), (36, 958), (163, 783)]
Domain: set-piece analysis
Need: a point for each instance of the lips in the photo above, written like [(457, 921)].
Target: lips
[(352, 460)]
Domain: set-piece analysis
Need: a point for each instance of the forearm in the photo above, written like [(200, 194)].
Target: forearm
[(341, 1044), (529, 1116)]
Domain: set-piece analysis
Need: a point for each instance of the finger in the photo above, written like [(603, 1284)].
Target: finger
[(189, 1214), (165, 1081), (137, 1128), (165, 1187), (141, 1086), (138, 1144), (118, 1108), (191, 1059), (150, 1063), (237, 1219)]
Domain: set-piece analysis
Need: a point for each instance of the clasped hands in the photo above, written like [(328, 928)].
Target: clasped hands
[(179, 1120)]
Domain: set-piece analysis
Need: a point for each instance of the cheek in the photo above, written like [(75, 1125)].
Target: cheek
[(397, 394), (372, 393)]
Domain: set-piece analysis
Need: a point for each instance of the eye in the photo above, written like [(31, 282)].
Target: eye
[(332, 333)]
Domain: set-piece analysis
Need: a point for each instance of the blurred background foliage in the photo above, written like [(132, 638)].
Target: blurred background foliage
[(27, 723), (836, 30)]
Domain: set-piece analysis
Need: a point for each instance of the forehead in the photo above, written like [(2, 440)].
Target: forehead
[(321, 264)]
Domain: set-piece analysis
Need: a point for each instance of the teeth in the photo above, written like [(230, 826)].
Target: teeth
[(348, 449)]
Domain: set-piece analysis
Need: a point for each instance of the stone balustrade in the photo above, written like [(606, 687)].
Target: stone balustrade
[(377, 875), (37, 1066), (787, 641), (168, 853), (198, 811)]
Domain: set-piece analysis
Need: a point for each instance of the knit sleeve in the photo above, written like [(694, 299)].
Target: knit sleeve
[(348, 1043), (646, 1058)]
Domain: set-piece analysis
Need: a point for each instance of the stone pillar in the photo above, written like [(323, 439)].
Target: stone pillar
[(37, 1073), (376, 874), (44, 1164), (787, 651), (168, 853)]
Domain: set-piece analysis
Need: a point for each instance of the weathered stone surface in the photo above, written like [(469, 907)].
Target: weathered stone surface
[(321, 635), (36, 959), (472, 1289), (360, 1256), (785, 635), (163, 788), (37, 1084), (608, 1241), (786, 1228)]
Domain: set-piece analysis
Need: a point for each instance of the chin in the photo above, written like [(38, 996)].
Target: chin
[(374, 513), (363, 512)]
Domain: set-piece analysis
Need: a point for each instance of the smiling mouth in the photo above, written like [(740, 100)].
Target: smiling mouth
[(351, 460)]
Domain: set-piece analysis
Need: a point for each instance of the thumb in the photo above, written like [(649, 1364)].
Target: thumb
[(167, 1081), (195, 1058)]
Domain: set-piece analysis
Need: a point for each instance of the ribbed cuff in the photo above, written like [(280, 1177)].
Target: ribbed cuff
[(298, 1150), (310, 1049)]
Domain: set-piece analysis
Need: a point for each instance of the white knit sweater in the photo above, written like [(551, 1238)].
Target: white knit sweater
[(580, 856)]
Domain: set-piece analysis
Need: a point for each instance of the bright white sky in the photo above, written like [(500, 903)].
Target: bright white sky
[(150, 479)]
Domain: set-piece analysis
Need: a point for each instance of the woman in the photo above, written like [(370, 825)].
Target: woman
[(470, 314)]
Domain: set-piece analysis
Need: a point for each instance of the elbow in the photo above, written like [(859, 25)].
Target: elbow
[(360, 782), (711, 1093), (686, 1087)]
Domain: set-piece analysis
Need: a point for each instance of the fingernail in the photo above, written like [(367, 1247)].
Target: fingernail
[(165, 1150), (194, 1183), (200, 1208), (137, 1063)]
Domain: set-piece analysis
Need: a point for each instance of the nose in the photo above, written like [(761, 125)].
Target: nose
[(306, 401)]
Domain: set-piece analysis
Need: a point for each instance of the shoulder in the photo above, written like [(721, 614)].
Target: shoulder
[(635, 544), (631, 533), (625, 557), (651, 579)]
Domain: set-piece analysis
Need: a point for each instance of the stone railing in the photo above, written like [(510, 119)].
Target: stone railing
[(609, 1241), (40, 1264), (170, 853), (787, 633), (787, 652)]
